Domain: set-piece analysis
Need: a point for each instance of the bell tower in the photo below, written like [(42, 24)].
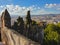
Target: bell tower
[(5, 19)]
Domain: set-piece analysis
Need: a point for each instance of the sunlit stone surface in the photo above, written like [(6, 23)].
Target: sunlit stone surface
[(1, 43), (10, 37)]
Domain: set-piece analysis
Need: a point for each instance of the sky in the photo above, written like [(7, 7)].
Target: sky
[(36, 7)]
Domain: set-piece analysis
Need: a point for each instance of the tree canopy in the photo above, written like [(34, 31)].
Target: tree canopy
[(51, 35)]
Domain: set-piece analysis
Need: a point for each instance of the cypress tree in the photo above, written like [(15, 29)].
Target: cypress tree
[(20, 24), (28, 24), (28, 18)]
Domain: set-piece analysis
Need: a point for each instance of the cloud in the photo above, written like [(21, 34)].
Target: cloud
[(41, 12), (50, 5), (58, 8), (22, 10), (53, 6), (19, 10), (1, 6)]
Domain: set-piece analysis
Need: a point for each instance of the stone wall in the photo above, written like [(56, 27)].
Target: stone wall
[(10, 37)]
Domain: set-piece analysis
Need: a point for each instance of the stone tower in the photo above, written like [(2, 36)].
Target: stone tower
[(6, 19)]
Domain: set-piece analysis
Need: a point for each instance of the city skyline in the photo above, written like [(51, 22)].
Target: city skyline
[(37, 7)]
